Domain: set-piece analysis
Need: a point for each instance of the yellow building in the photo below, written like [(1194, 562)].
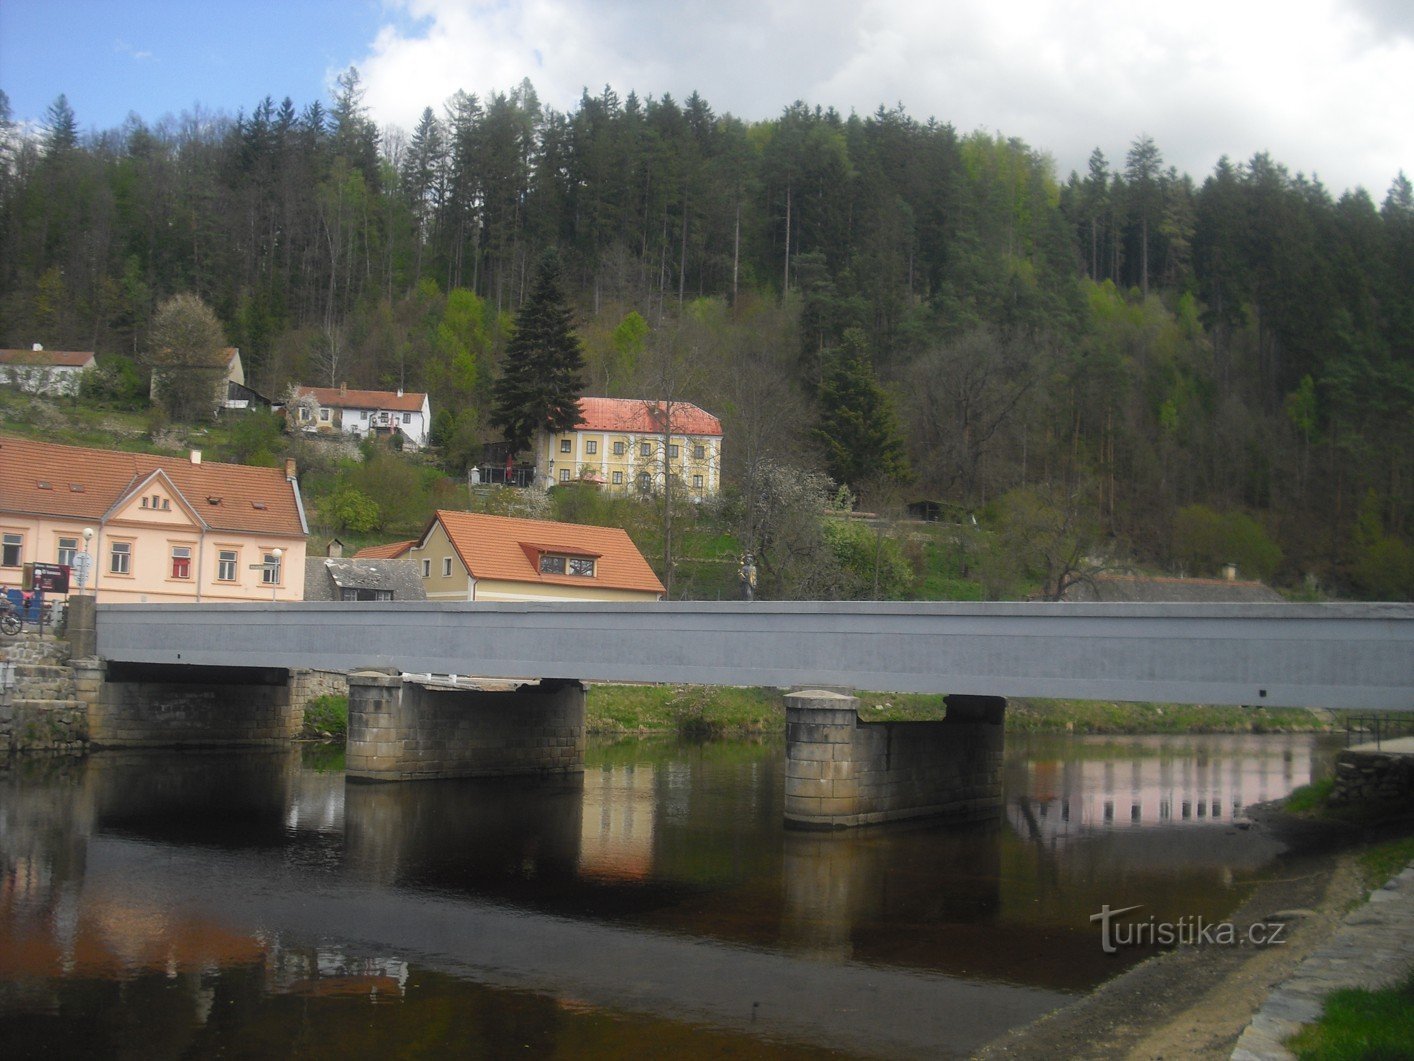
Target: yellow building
[(469, 556), (154, 529), (629, 445)]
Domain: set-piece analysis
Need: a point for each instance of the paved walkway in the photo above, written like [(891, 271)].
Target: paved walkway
[(1373, 948)]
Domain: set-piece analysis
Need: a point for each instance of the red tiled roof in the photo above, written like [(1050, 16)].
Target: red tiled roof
[(645, 417), (47, 358), (76, 482), (507, 549), (336, 398), (391, 551)]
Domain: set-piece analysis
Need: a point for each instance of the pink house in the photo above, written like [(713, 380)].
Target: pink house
[(153, 528)]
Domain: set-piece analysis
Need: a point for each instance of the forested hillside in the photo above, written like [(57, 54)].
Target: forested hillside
[(1182, 372)]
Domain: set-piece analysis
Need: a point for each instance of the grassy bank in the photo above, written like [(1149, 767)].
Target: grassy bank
[(733, 712)]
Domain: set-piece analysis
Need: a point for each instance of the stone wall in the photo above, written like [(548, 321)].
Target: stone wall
[(306, 685), (402, 731), (180, 706), (40, 711), (1373, 777), (842, 772)]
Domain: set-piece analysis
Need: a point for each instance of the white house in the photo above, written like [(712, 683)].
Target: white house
[(360, 413), (41, 371)]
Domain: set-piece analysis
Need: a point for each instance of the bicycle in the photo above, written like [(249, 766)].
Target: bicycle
[(10, 622)]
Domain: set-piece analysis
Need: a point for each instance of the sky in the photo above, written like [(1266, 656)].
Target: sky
[(1326, 87)]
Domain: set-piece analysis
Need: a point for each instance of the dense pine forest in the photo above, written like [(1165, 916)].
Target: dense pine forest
[(1177, 371)]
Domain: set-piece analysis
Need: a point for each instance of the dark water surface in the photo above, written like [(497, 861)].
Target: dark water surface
[(251, 904)]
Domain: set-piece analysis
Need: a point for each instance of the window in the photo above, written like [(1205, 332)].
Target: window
[(564, 475), (10, 550), (350, 593), (362, 415), (552, 565), (591, 447), (699, 452), (564, 445), (618, 478), (120, 558), (645, 449), (672, 451), (304, 412), (68, 548), (645, 482), (697, 482), (618, 449), (582, 566), (324, 415), (226, 560), (271, 569), (427, 569), (181, 561), (446, 567), (407, 418), (579, 566)]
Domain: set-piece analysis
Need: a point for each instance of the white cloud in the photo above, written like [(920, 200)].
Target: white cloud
[(1326, 86)]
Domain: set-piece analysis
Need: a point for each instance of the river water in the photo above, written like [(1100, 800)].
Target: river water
[(251, 904)]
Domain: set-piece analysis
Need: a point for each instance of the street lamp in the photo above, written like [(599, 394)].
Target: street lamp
[(277, 553), (85, 561)]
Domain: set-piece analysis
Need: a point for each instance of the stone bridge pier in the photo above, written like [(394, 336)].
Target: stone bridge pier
[(404, 731), (842, 771)]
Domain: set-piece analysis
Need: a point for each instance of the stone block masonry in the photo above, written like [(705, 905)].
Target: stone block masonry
[(402, 731), (169, 706), (843, 772)]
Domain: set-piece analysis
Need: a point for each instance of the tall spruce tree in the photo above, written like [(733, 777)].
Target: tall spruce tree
[(544, 365), (858, 430)]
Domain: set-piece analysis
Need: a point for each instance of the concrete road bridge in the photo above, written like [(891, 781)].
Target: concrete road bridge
[(841, 771)]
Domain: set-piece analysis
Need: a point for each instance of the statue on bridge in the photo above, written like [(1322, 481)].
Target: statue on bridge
[(746, 574)]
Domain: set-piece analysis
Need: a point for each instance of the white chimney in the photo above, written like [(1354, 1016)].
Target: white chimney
[(196, 456)]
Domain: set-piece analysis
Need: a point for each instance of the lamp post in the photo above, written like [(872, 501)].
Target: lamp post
[(85, 560), (277, 553)]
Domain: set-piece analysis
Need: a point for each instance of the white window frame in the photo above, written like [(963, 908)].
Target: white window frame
[(446, 567)]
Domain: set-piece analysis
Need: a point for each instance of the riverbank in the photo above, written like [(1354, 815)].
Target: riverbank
[(1196, 1001), (715, 711)]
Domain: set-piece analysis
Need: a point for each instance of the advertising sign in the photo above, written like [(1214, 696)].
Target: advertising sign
[(47, 578)]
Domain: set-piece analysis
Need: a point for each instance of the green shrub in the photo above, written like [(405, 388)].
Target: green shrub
[(326, 716)]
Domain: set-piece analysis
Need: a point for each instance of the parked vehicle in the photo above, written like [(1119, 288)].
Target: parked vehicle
[(10, 623)]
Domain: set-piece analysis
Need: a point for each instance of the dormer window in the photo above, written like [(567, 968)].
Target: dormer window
[(580, 566)]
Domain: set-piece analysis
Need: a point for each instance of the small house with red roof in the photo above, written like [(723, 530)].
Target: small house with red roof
[(476, 557), (151, 529), (634, 445), (41, 371), (366, 413)]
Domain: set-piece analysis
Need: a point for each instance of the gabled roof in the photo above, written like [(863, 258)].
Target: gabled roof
[(384, 552), (645, 417), (323, 578), (341, 398), (76, 482), (47, 358), (507, 549)]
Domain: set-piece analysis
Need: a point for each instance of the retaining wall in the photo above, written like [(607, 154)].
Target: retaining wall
[(842, 771), (1373, 777)]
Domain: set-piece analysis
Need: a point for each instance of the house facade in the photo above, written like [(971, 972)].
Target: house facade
[(628, 445), (154, 529), (467, 556), (363, 413), (41, 371)]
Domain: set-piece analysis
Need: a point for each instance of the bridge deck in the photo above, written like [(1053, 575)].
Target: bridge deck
[(1320, 655)]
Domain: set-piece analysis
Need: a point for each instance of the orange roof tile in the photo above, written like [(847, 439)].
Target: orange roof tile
[(391, 551), (644, 417), (47, 358), (504, 548), (76, 482), (338, 398)]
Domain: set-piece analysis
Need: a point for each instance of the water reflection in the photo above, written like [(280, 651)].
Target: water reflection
[(654, 904)]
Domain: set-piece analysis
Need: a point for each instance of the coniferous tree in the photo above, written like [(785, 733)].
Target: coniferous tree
[(858, 430), (544, 365)]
